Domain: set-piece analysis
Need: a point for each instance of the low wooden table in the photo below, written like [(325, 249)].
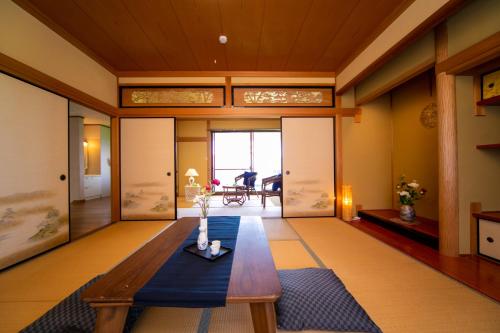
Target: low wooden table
[(253, 279), (234, 194)]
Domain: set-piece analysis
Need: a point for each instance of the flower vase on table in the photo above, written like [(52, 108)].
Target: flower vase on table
[(408, 194), (203, 201)]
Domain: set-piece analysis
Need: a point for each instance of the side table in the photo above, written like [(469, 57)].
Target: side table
[(191, 191)]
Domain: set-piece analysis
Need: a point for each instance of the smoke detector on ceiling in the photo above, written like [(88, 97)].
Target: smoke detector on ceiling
[(223, 39)]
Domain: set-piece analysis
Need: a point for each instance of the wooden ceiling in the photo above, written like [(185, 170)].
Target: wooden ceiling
[(182, 35)]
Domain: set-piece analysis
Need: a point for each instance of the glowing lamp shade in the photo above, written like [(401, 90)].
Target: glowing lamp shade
[(347, 202), (191, 173)]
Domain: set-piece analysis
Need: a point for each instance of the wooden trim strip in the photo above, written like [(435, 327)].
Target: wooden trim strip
[(237, 112), (35, 12), (222, 74), (432, 21), (191, 139), (413, 72), (115, 169), (338, 166), (37, 78), (477, 54)]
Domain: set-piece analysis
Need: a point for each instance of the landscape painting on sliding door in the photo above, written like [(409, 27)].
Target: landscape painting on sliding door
[(308, 167), (147, 147), (33, 171)]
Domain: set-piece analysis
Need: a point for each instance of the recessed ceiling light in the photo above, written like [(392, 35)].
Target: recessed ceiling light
[(223, 39), (215, 61)]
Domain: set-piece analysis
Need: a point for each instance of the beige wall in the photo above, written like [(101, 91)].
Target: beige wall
[(27, 40), (367, 155), (415, 146), (419, 53), (478, 20), (194, 154), (478, 170)]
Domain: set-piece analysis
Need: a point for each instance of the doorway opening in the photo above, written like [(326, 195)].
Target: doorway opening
[(90, 170), (242, 155)]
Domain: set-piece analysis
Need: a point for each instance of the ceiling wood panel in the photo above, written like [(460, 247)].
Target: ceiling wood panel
[(282, 23), (70, 19), (201, 23), (242, 22), (113, 16), (182, 35), (321, 26), (159, 24), (366, 16)]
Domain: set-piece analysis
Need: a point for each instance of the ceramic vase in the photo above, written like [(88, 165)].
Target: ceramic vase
[(407, 213), (203, 235)]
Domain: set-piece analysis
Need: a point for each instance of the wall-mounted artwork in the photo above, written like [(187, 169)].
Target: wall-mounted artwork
[(491, 84), (308, 167), (147, 168), (283, 96), (140, 97), (33, 172)]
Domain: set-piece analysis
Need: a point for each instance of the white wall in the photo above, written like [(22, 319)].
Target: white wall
[(105, 160), (29, 41)]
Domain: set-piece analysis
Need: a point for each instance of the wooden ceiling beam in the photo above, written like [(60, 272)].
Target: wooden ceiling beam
[(473, 56), (223, 74), (238, 112)]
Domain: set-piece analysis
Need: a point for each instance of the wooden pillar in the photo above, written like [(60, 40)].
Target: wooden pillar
[(338, 165), (447, 151), (115, 169)]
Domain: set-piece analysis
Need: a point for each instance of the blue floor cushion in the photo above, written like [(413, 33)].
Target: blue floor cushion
[(316, 299), (72, 315)]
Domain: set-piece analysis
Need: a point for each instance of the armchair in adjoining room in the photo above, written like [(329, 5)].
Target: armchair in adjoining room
[(275, 190), (249, 179)]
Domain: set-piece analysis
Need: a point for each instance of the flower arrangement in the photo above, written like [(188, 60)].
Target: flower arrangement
[(203, 199), (409, 192)]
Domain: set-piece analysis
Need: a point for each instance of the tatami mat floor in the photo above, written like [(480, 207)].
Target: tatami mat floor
[(398, 292)]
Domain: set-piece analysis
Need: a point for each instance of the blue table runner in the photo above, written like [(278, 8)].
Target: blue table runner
[(186, 280)]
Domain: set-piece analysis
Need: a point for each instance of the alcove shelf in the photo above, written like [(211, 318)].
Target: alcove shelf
[(489, 101), (489, 146)]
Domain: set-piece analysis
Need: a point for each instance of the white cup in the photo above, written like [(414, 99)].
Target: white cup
[(215, 247)]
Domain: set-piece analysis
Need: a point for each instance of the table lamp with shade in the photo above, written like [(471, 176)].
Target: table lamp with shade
[(191, 173)]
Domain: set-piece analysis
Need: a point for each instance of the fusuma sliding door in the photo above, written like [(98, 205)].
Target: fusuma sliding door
[(308, 166), (33, 170), (147, 155)]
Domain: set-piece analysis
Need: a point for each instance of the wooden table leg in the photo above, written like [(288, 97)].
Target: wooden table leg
[(263, 317), (110, 319)]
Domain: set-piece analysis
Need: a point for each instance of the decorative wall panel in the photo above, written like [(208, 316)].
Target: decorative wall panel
[(147, 153), (33, 171), (283, 96), (308, 167), (172, 97)]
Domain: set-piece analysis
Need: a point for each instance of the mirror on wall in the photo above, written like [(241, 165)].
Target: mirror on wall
[(90, 170)]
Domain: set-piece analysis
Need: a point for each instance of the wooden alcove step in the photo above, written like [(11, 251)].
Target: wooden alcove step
[(423, 230)]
